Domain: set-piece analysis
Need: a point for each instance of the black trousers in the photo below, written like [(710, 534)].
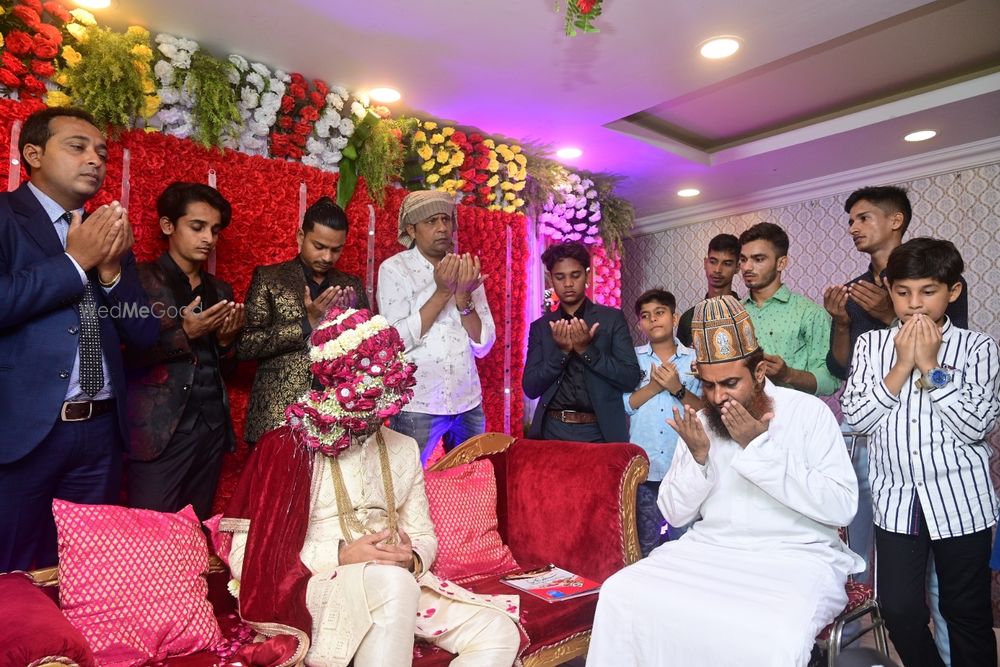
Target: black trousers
[(186, 472), (77, 461), (962, 565)]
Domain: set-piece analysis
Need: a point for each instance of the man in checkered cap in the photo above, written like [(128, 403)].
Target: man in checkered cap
[(763, 472)]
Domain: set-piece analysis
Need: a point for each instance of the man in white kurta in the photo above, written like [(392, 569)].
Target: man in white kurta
[(762, 570)]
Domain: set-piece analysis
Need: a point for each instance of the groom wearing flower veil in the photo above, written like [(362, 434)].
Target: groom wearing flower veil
[(332, 541)]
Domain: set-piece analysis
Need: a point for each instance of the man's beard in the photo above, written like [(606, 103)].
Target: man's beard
[(758, 405)]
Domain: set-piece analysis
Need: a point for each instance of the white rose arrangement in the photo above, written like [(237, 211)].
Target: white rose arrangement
[(176, 98), (259, 92)]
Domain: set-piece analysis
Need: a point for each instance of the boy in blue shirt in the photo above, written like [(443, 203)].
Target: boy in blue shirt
[(666, 383)]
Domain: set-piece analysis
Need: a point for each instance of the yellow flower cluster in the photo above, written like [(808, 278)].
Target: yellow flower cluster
[(137, 39), (142, 56), (511, 173), (440, 157)]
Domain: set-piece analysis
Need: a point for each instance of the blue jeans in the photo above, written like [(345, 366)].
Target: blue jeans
[(428, 429)]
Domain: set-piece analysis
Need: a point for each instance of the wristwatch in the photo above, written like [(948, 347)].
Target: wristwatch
[(935, 378), (467, 310), (680, 393)]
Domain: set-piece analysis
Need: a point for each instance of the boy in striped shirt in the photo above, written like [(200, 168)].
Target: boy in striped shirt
[(927, 393)]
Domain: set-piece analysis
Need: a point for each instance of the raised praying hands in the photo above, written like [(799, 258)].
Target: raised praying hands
[(692, 432), (743, 427), (874, 299), (835, 302), (458, 274)]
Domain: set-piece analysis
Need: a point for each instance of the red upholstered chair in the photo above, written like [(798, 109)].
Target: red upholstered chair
[(567, 503)]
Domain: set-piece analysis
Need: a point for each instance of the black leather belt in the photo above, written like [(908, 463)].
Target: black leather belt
[(79, 411), (573, 417)]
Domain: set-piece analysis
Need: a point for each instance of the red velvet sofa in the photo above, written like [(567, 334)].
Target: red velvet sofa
[(567, 503)]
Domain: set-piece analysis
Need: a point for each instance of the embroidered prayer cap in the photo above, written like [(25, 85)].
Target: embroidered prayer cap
[(358, 360), (721, 330), (421, 205)]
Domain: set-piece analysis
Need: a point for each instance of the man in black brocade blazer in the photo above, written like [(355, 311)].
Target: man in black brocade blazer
[(580, 358), (285, 301)]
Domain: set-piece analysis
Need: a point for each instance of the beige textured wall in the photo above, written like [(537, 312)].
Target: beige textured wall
[(962, 206)]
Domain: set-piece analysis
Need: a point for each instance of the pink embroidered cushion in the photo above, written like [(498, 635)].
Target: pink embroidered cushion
[(131, 581), (463, 506)]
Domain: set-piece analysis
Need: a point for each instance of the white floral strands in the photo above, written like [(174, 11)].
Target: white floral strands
[(573, 212), (259, 97), (176, 97), (332, 130)]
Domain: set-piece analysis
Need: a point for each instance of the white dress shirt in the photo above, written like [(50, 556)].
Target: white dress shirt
[(928, 444), (447, 378), (55, 213)]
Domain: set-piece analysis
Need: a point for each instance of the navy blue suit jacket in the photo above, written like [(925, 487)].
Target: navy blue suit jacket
[(611, 368), (40, 324)]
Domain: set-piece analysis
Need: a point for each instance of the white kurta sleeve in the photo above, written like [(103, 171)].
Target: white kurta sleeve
[(806, 468), (685, 487)]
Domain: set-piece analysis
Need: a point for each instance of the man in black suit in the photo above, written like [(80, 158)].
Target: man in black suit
[(580, 358), (178, 409), (69, 296)]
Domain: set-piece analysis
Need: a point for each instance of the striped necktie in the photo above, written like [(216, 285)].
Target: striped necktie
[(91, 369)]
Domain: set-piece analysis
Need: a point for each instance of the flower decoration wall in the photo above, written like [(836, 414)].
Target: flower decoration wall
[(300, 108), (31, 33), (572, 212)]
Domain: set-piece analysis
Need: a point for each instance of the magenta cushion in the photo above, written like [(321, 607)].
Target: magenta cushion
[(132, 582), (463, 503), (32, 627)]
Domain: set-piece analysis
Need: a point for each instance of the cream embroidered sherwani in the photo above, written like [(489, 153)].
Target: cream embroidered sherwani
[(336, 596)]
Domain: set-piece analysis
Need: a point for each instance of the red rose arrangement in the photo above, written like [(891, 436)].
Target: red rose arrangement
[(300, 109), (358, 358), (32, 35), (475, 170)]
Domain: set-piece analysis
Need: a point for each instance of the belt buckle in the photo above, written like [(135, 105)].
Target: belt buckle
[(65, 418), (562, 416)]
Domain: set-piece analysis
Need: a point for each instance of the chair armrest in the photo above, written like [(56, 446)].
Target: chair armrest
[(573, 504)]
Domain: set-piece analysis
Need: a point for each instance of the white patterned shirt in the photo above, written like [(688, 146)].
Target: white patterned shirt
[(927, 449), (447, 379)]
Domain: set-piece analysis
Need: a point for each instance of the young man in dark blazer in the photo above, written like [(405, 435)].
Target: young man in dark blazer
[(580, 358), (69, 297), (285, 301), (178, 410)]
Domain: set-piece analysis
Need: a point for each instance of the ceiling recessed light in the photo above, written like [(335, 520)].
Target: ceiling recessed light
[(384, 95), (688, 192), (93, 4), (920, 135), (569, 153), (720, 47)]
